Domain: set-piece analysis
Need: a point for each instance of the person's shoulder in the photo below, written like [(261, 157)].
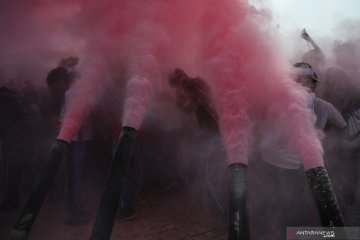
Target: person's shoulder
[(198, 83), (325, 105), (322, 102)]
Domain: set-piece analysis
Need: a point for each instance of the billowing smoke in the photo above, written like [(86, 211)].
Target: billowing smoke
[(340, 79), (35, 37), (135, 44), (335, 63), (85, 95), (225, 43), (339, 84), (250, 79)]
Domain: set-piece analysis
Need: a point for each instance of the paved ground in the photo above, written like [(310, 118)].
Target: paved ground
[(165, 216), (182, 213)]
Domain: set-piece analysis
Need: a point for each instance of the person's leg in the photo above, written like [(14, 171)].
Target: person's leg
[(216, 176), (265, 194), (17, 154), (13, 180)]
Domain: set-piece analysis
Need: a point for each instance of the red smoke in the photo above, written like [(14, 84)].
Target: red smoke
[(34, 36), (250, 82), (222, 41)]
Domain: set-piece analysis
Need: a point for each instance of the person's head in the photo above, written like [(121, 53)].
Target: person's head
[(58, 80), (69, 63), (177, 77), (305, 75)]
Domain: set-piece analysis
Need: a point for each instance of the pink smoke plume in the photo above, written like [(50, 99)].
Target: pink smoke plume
[(35, 35), (85, 94), (249, 79), (223, 42)]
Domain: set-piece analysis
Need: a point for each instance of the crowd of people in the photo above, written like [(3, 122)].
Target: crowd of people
[(30, 119)]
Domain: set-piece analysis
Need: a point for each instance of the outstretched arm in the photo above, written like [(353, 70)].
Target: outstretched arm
[(307, 37), (314, 56)]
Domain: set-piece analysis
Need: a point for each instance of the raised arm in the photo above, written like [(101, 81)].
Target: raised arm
[(314, 56), (307, 37)]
